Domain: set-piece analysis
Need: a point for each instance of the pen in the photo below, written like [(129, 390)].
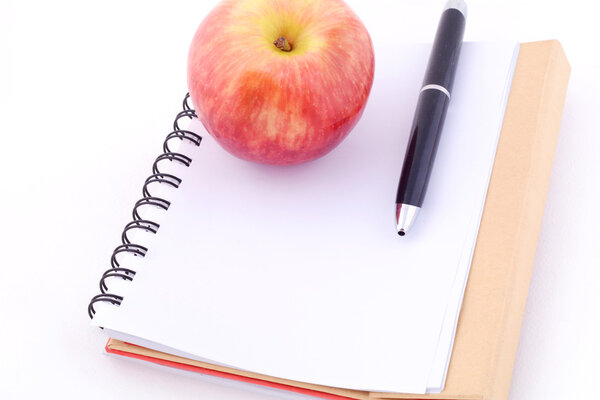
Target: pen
[(430, 114)]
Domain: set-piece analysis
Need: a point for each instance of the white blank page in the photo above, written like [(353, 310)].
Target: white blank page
[(437, 376), (297, 272)]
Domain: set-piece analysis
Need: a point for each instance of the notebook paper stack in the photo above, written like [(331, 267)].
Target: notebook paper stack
[(295, 278)]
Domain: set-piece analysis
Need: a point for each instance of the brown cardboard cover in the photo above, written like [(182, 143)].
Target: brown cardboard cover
[(490, 320)]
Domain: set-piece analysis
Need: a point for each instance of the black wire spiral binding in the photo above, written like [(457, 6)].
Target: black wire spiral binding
[(116, 271)]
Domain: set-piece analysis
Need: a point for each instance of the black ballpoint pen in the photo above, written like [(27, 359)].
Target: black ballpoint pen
[(430, 114)]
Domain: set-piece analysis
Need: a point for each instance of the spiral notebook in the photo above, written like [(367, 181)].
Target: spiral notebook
[(297, 272)]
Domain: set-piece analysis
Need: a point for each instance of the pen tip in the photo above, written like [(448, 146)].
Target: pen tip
[(405, 216)]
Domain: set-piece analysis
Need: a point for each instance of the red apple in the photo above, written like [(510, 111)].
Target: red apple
[(280, 81)]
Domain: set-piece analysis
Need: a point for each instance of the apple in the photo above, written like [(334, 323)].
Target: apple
[(280, 81)]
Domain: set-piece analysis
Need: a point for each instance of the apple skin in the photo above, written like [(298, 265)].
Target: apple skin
[(270, 106)]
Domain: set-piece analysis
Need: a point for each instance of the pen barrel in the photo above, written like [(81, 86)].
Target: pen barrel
[(422, 146), (443, 59)]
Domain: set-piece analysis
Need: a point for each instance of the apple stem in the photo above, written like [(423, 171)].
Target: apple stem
[(282, 44)]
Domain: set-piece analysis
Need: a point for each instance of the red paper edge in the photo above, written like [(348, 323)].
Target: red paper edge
[(227, 375)]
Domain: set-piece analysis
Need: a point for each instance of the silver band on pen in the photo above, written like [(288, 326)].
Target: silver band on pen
[(436, 87)]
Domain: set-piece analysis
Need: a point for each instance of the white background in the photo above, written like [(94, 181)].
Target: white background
[(87, 93)]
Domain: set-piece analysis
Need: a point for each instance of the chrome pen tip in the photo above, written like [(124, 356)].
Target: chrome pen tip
[(405, 216)]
